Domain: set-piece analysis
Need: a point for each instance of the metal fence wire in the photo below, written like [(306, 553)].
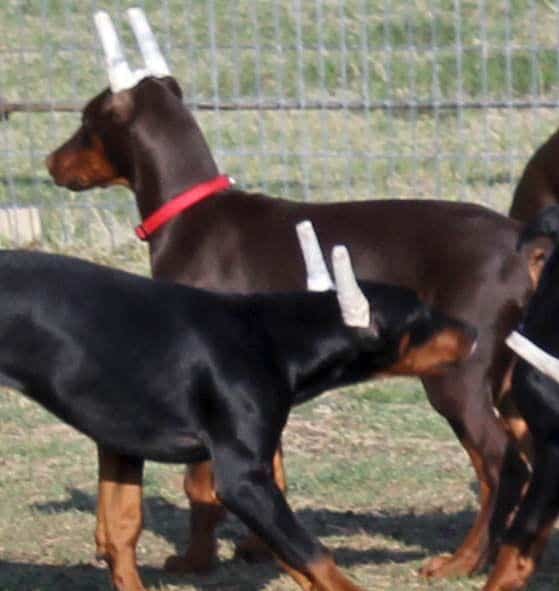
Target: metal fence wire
[(314, 99)]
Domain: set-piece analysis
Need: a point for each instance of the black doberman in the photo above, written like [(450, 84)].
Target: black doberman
[(460, 257), (538, 186), (154, 370), (533, 503)]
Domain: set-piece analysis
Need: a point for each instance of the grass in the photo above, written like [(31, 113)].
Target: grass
[(422, 50), (373, 471)]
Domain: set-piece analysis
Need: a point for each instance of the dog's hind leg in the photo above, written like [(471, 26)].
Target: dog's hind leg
[(466, 402), (513, 482), (119, 517), (206, 512), (527, 537)]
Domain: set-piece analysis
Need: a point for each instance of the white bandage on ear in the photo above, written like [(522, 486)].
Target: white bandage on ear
[(353, 303), (153, 58), (120, 75), (535, 356), (318, 278)]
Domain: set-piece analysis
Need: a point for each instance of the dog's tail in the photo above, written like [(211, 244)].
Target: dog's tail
[(544, 225)]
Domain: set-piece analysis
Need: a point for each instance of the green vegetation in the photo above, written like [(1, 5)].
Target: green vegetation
[(373, 471), (320, 51)]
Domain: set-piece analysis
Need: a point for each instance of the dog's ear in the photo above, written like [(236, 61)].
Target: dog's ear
[(354, 305), (171, 84), (119, 107), (318, 278)]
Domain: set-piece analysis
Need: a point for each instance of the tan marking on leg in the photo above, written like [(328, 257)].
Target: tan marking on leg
[(326, 576), (511, 572), (516, 426), (279, 470), (120, 517), (465, 559), (321, 575), (541, 541), (206, 512)]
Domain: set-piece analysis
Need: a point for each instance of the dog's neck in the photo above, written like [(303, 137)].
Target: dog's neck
[(163, 169), (309, 340)]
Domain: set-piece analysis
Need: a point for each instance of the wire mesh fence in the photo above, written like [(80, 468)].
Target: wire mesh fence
[(307, 99)]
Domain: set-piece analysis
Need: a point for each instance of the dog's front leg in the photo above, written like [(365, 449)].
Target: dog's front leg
[(527, 537), (119, 517), (252, 548), (206, 512), (246, 487)]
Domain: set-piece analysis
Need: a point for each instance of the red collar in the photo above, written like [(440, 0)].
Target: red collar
[(181, 202)]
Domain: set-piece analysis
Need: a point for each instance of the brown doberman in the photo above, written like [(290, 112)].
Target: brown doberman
[(460, 257)]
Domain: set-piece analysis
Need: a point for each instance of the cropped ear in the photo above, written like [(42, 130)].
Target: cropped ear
[(354, 305), (120, 75), (119, 107), (318, 278), (171, 84)]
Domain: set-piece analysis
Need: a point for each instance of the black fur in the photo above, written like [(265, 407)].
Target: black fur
[(537, 398), (166, 372)]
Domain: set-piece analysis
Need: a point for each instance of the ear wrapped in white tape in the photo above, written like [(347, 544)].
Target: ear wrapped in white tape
[(120, 75), (153, 58), (318, 278), (535, 356), (353, 303)]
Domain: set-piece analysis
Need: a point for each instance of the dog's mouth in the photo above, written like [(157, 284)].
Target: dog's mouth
[(84, 184), (75, 185)]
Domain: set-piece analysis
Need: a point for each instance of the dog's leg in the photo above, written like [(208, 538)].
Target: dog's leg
[(252, 548), (247, 488), (465, 401), (119, 517), (206, 512), (532, 526), (513, 483)]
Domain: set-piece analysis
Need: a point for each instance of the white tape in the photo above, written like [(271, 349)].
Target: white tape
[(120, 75), (318, 278), (153, 58), (535, 356)]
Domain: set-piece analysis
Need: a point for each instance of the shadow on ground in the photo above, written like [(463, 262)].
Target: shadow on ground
[(425, 534), (168, 521), (432, 532)]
